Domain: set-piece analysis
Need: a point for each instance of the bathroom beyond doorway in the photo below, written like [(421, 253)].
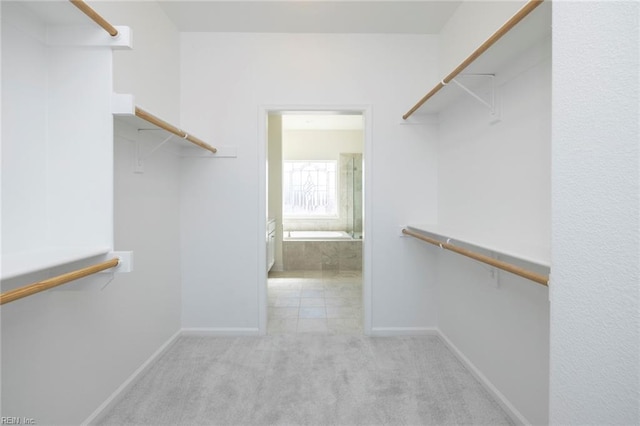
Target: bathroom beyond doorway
[(315, 188), (315, 185)]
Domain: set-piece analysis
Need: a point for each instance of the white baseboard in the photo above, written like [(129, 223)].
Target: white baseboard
[(231, 331), (506, 405), (404, 331), (95, 416)]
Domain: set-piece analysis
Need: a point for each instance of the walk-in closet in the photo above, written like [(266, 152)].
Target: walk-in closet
[(452, 237)]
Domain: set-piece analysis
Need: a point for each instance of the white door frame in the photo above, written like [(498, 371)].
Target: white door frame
[(263, 112)]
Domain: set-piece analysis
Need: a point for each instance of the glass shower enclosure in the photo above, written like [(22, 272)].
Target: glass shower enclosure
[(352, 166)]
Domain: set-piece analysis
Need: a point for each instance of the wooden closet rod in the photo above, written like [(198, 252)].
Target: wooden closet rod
[(87, 10), (39, 286), (524, 273), (173, 129), (519, 16)]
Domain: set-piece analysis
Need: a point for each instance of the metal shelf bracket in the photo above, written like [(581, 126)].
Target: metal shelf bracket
[(491, 104), (138, 165)]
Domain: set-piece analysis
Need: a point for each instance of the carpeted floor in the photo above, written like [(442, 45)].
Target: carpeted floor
[(295, 379)]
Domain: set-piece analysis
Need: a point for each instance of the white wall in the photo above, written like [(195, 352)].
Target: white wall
[(494, 186), (41, 99), (226, 79), (65, 352), (494, 180), (151, 70), (473, 22), (595, 300), (274, 193), (320, 144), (25, 100)]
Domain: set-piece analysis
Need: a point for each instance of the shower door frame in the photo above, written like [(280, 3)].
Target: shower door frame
[(263, 114)]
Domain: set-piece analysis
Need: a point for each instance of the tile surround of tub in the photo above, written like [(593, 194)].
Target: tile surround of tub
[(322, 255), (315, 302)]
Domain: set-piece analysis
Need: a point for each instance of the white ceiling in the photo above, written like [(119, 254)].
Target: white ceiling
[(309, 16)]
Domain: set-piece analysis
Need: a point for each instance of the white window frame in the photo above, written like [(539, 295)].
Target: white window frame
[(336, 192)]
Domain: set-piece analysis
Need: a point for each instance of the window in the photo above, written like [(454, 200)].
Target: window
[(310, 188)]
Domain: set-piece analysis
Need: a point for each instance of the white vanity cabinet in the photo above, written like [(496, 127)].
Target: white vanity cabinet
[(271, 243)]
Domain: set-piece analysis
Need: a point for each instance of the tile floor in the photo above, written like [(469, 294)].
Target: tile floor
[(315, 302)]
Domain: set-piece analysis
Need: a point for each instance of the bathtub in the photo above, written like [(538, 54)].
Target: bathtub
[(321, 251), (316, 236)]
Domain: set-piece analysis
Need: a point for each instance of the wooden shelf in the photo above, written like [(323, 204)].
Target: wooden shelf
[(16, 264), (522, 251), (534, 27)]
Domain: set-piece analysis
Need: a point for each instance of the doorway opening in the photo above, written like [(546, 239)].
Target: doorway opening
[(315, 217)]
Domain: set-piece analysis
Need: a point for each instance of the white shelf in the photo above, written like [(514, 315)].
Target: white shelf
[(155, 133), (57, 185), (532, 30), (524, 251), (124, 110), (16, 264)]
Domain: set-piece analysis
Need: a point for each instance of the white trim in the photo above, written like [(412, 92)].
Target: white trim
[(89, 35), (221, 331), (261, 279), (124, 387), (506, 405), (404, 331), (367, 221)]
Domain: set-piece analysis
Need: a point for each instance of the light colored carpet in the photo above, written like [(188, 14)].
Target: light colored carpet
[(299, 379)]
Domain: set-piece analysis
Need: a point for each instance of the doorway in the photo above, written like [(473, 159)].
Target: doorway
[(315, 205)]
